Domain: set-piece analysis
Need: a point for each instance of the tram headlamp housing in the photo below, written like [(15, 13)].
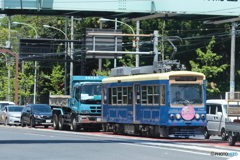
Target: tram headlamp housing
[(203, 116), (178, 116), (171, 116), (197, 116)]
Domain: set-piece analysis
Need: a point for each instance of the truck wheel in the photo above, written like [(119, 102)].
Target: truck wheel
[(223, 135), (60, 122), (231, 140), (55, 122), (206, 134), (75, 127)]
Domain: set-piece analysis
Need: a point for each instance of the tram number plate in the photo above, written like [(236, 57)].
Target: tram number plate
[(99, 119), (48, 121)]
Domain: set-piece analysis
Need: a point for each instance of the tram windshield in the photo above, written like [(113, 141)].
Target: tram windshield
[(186, 94)]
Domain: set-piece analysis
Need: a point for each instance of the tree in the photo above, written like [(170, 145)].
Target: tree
[(106, 69), (208, 64), (26, 81), (56, 80)]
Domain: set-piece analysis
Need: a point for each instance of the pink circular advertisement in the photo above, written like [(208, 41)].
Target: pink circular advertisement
[(188, 113)]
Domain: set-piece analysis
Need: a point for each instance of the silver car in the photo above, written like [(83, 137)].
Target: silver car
[(10, 114)]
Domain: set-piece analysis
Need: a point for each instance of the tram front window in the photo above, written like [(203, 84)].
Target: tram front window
[(186, 94)]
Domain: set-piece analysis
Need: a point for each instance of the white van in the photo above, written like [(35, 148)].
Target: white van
[(216, 118), (4, 103)]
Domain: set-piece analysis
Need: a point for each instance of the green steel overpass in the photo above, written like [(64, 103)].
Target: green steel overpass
[(130, 9)]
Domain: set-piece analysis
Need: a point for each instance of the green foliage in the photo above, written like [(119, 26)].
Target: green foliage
[(106, 71), (26, 80), (57, 80), (128, 62), (208, 64)]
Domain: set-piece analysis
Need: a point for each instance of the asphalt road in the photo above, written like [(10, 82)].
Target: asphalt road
[(29, 143)]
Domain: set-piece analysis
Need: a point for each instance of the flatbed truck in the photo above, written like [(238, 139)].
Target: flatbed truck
[(233, 127)]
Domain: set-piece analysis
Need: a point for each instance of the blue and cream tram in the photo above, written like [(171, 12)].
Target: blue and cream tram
[(156, 105)]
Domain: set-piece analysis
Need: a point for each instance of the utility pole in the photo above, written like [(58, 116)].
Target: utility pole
[(115, 60), (100, 60), (162, 51), (232, 63), (155, 44), (137, 45), (8, 44), (71, 52), (65, 63)]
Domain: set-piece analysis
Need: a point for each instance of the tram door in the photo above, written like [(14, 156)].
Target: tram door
[(136, 103)]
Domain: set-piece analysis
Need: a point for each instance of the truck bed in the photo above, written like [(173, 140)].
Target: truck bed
[(232, 126), (59, 100)]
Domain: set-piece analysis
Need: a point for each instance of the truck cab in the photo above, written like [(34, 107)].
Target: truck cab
[(82, 108), (216, 118), (86, 100)]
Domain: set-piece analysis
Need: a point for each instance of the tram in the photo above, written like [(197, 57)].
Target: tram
[(165, 104)]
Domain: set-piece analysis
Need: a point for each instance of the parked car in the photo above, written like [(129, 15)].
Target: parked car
[(10, 114), (36, 115), (216, 118), (4, 103)]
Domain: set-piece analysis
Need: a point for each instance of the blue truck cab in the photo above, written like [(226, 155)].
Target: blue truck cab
[(80, 109)]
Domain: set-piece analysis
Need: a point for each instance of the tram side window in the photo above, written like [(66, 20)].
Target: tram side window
[(144, 95), (114, 96), (155, 95), (119, 95), (109, 95), (150, 95), (129, 95), (163, 94), (125, 96)]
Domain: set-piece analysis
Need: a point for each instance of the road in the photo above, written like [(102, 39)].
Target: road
[(30, 143)]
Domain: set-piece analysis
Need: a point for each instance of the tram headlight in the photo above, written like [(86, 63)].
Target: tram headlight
[(203, 116), (171, 116), (178, 116), (197, 116)]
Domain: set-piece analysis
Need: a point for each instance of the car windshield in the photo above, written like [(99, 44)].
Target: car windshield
[(41, 108), (15, 109), (186, 94)]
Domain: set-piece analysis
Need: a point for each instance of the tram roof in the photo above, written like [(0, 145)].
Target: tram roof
[(153, 76)]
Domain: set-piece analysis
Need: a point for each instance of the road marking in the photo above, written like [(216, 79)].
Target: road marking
[(172, 149)]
